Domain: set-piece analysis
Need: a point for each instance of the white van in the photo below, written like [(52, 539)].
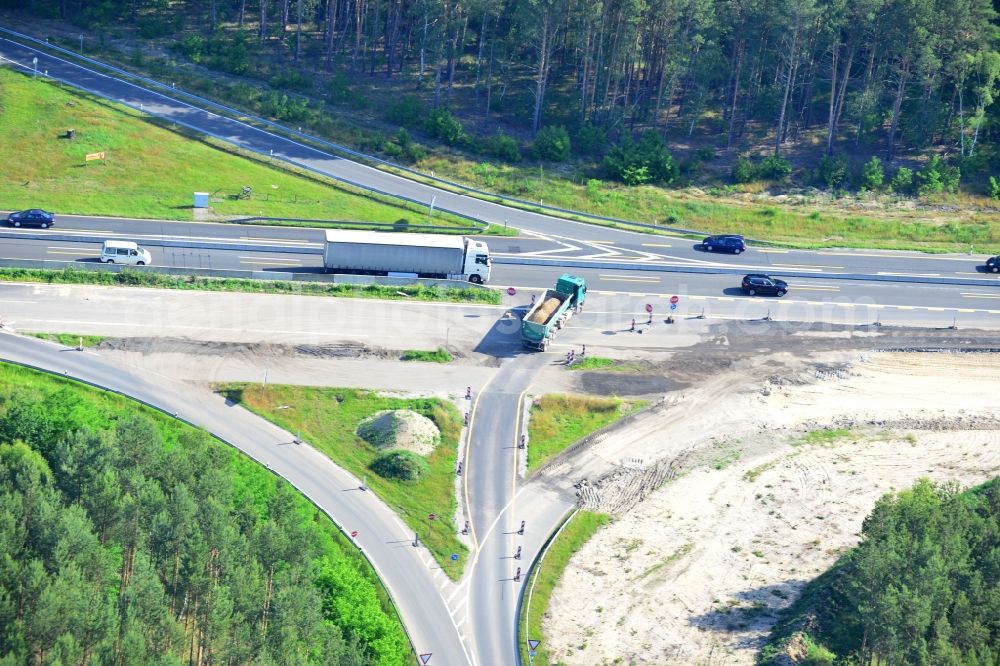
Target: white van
[(124, 252)]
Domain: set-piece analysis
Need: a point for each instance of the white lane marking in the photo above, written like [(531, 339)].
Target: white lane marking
[(804, 266), (75, 254), (11, 300), (264, 263), (56, 247), (774, 251), (628, 278), (657, 245), (909, 274), (978, 295)]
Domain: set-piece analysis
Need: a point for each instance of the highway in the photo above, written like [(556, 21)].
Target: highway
[(626, 270)]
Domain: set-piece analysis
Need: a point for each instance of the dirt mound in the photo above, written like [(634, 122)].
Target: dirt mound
[(542, 314), (400, 429)]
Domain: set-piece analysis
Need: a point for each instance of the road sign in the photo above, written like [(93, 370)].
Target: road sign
[(674, 299), (454, 557), (533, 644), (354, 534), (511, 291), (649, 307), (673, 306), (425, 658), (431, 516)]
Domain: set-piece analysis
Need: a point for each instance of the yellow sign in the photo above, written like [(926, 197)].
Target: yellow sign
[(95, 156)]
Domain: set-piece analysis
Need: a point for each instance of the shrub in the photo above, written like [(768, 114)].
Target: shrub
[(503, 146), (872, 175), (902, 182), (994, 188), (403, 466), (443, 126), (152, 26), (485, 173), (406, 111), (834, 172), (291, 80), (590, 139), (937, 177), (192, 47), (415, 152), (339, 88), (774, 167), (552, 143), (744, 171), (645, 160), (230, 55), (284, 108)]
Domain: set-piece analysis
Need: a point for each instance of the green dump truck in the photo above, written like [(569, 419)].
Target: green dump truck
[(550, 312)]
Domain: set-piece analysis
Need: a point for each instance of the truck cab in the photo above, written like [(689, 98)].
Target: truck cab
[(477, 261), (575, 286)]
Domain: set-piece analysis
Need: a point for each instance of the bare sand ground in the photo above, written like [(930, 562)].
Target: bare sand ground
[(696, 573)]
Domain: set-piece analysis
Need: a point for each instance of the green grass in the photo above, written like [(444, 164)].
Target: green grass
[(439, 355), (142, 278), (78, 406), (579, 528), (557, 421), (327, 419), (806, 225), (71, 339), (130, 181), (604, 364), (824, 436)]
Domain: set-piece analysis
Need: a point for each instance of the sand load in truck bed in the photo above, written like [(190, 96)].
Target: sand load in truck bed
[(542, 314)]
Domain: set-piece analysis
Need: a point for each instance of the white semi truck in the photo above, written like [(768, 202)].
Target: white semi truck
[(413, 255)]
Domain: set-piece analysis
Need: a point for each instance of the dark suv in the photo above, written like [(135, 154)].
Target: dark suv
[(758, 283), (31, 218), (734, 244), (993, 264)]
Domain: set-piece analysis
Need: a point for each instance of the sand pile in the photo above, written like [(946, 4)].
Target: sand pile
[(400, 429), (542, 314)]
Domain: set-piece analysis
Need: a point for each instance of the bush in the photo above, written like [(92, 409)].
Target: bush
[(192, 47), (902, 182), (503, 146), (282, 107), (937, 177), (872, 175), (292, 80), (774, 167), (744, 171), (407, 112), (443, 126), (645, 160), (590, 139), (834, 172), (994, 188), (403, 466), (415, 152), (552, 143), (486, 174), (230, 55), (154, 26)]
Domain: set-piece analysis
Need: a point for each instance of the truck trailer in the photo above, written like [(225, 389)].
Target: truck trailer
[(411, 255), (550, 312)]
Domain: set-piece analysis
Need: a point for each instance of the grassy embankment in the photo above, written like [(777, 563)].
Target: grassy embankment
[(579, 528), (814, 223), (141, 278), (71, 339), (556, 421), (170, 461), (151, 169), (327, 419), (439, 355), (604, 365)]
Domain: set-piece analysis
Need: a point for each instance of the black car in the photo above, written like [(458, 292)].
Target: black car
[(993, 264), (729, 243), (31, 218), (758, 283)]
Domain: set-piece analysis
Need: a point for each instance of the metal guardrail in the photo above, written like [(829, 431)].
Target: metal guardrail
[(329, 278), (344, 150), (393, 226), (704, 270)]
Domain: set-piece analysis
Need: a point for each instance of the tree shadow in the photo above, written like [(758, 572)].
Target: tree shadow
[(753, 612)]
